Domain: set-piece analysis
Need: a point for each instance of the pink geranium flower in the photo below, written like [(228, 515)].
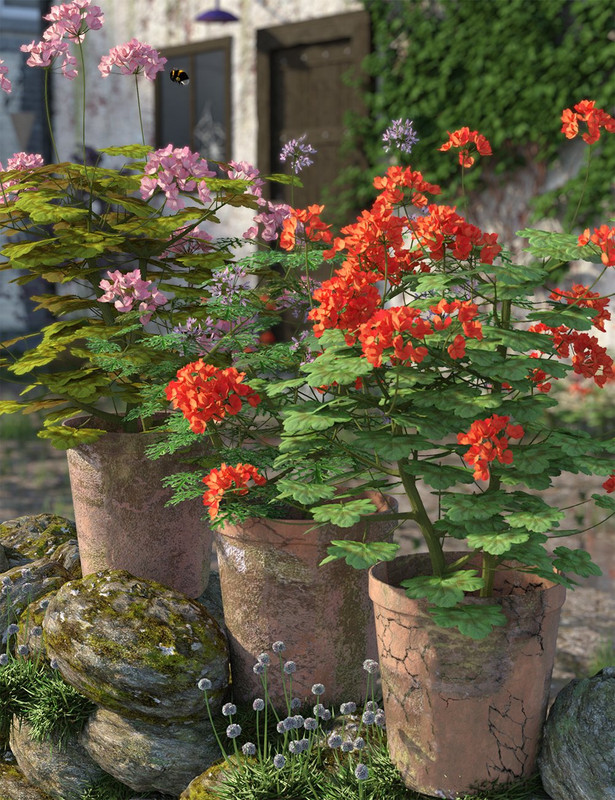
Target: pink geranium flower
[(5, 83), (175, 170), (18, 161), (44, 53), (125, 289), (73, 20), (132, 58)]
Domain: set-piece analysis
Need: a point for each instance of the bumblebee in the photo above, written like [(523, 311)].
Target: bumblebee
[(179, 76)]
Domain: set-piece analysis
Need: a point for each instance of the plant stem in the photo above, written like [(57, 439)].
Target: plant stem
[(48, 113), (489, 565), (432, 541), (139, 106)]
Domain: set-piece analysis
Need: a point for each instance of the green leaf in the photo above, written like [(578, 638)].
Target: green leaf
[(127, 150), (64, 438), (446, 590), (313, 419), (468, 507), (360, 555), (536, 521), (561, 246), (474, 621), (570, 316), (275, 389), (439, 476), (577, 561), (604, 501), (11, 407), (344, 515), (389, 446), (496, 542), (332, 367), (306, 493)]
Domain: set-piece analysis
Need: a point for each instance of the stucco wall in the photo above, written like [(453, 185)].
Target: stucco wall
[(111, 110)]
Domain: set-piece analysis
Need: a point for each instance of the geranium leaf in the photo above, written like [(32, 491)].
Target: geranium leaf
[(604, 501), (306, 493), (332, 367), (577, 561), (311, 419), (65, 437), (344, 515), (496, 542), (474, 621), (360, 555), (536, 521), (446, 590)]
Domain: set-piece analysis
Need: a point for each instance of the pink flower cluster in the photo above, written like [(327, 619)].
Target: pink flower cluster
[(132, 58), (70, 21), (5, 83), (272, 215), (18, 161), (123, 290), (175, 170)]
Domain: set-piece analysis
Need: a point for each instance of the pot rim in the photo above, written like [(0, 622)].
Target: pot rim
[(386, 594)]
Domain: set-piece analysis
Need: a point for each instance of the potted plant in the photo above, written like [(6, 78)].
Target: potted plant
[(125, 250), (429, 371)]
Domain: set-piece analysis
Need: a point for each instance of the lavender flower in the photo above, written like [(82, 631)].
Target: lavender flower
[(347, 746), (359, 743), (258, 668), (248, 749), (37, 630), (371, 705), (233, 731), (54, 663), (295, 703), (310, 724), (290, 667), (400, 135), (348, 708), (4, 660), (318, 689), (228, 709), (326, 715), (12, 628), (278, 647), (368, 717), (258, 704), (279, 761), (319, 710), (297, 151), (264, 658), (298, 721), (371, 666), (204, 684), (361, 772), (23, 650), (281, 726), (380, 719), (6, 581)]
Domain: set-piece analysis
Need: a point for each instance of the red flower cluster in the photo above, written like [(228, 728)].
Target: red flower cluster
[(397, 179), (384, 329), (609, 484), (463, 138), (486, 445), (224, 478), (604, 237), (580, 296), (345, 303), (444, 228), (589, 358), (203, 392), (586, 111), (314, 229)]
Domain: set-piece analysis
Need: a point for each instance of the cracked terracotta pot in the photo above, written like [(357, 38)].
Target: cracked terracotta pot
[(120, 513), (274, 590), (461, 712)]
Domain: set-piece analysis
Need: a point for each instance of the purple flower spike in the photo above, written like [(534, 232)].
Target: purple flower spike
[(297, 152)]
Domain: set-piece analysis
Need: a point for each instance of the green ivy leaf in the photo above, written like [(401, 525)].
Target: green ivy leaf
[(306, 493), (344, 515), (360, 555), (446, 590), (496, 542), (474, 621)]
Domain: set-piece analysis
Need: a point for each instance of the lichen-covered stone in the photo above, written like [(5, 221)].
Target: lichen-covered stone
[(67, 554), (15, 786), (61, 773), (212, 599), (145, 756), (37, 536), (30, 620), (4, 561), (577, 759), (27, 584), (204, 786), (136, 647)]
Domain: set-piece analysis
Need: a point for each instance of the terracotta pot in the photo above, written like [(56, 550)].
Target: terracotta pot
[(121, 519), (274, 590), (461, 712)]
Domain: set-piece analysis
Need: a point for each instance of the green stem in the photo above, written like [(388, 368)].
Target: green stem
[(139, 106), (82, 59), (489, 565), (48, 113), (432, 541)]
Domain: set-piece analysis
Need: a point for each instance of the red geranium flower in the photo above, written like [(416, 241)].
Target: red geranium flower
[(462, 139)]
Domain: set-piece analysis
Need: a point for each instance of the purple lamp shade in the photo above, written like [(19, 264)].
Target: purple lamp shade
[(216, 14)]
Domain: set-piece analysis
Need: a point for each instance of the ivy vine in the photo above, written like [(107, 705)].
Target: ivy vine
[(506, 68)]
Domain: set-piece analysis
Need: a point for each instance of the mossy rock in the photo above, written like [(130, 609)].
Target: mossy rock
[(136, 647), (37, 536), (15, 786)]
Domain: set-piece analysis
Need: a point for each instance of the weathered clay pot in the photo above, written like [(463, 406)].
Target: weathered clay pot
[(120, 513), (461, 712), (274, 590)]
